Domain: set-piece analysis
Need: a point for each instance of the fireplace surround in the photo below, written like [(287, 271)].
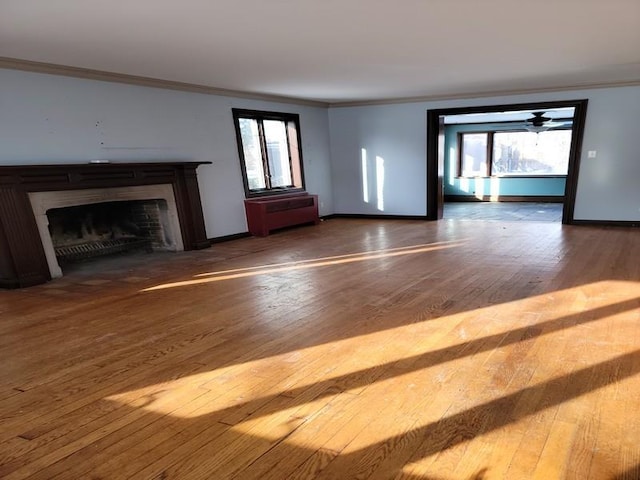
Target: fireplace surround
[(27, 192), (45, 203)]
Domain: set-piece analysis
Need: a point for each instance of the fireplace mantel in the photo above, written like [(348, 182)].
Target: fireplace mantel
[(22, 258)]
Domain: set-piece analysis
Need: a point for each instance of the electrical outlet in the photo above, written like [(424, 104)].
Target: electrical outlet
[(592, 154)]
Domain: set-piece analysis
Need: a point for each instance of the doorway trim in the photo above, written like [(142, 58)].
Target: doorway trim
[(435, 150)]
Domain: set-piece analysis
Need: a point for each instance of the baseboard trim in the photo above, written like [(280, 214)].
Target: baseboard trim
[(506, 198), (228, 238), (607, 223), (375, 216)]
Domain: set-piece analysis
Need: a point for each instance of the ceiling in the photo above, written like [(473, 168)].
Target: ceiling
[(337, 51)]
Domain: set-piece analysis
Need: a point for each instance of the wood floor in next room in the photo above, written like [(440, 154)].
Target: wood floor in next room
[(354, 349)]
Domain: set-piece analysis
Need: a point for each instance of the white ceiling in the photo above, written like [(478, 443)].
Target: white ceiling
[(337, 50)]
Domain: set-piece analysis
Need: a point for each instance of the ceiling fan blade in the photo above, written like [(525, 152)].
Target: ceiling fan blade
[(538, 119)]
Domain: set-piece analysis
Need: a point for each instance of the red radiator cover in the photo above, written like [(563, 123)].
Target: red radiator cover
[(265, 214)]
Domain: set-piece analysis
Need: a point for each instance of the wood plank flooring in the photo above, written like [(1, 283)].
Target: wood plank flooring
[(359, 349)]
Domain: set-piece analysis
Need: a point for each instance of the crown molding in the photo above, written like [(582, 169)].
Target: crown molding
[(481, 94), (90, 74)]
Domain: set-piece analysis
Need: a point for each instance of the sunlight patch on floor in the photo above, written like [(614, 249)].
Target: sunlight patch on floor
[(401, 348), (306, 264), (420, 382)]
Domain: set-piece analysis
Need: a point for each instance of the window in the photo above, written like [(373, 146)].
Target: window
[(474, 154), (269, 148), (514, 153), (529, 153)]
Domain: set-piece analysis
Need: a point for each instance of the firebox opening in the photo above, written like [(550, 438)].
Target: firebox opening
[(92, 230)]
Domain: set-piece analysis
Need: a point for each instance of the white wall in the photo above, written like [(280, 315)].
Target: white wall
[(53, 119), (608, 186), (396, 134)]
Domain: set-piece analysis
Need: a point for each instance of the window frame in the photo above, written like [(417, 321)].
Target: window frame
[(260, 116), (490, 133)]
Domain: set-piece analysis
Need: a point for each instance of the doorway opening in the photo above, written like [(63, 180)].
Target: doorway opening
[(485, 159)]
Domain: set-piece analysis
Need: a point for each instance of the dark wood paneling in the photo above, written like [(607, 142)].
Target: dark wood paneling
[(36, 178), (6, 264), (22, 259), (189, 205), (575, 152), (435, 165)]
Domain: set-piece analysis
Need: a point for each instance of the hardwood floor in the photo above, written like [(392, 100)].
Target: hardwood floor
[(354, 349)]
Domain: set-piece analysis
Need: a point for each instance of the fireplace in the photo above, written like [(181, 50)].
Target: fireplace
[(55, 214), (78, 224), (89, 231)]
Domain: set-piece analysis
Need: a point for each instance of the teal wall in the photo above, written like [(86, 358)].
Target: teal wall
[(494, 186)]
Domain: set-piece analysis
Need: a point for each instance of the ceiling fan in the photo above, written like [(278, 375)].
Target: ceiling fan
[(540, 123)]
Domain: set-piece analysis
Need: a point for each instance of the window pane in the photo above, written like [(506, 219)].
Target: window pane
[(252, 156), (275, 134), (529, 153), (474, 155)]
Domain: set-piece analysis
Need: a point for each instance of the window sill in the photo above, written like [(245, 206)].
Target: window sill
[(277, 192)]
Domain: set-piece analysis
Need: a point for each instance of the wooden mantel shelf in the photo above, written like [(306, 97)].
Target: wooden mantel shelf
[(92, 175), (22, 259)]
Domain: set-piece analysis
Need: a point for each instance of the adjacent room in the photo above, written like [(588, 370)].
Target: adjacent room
[(319, 240), (510, 165)]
